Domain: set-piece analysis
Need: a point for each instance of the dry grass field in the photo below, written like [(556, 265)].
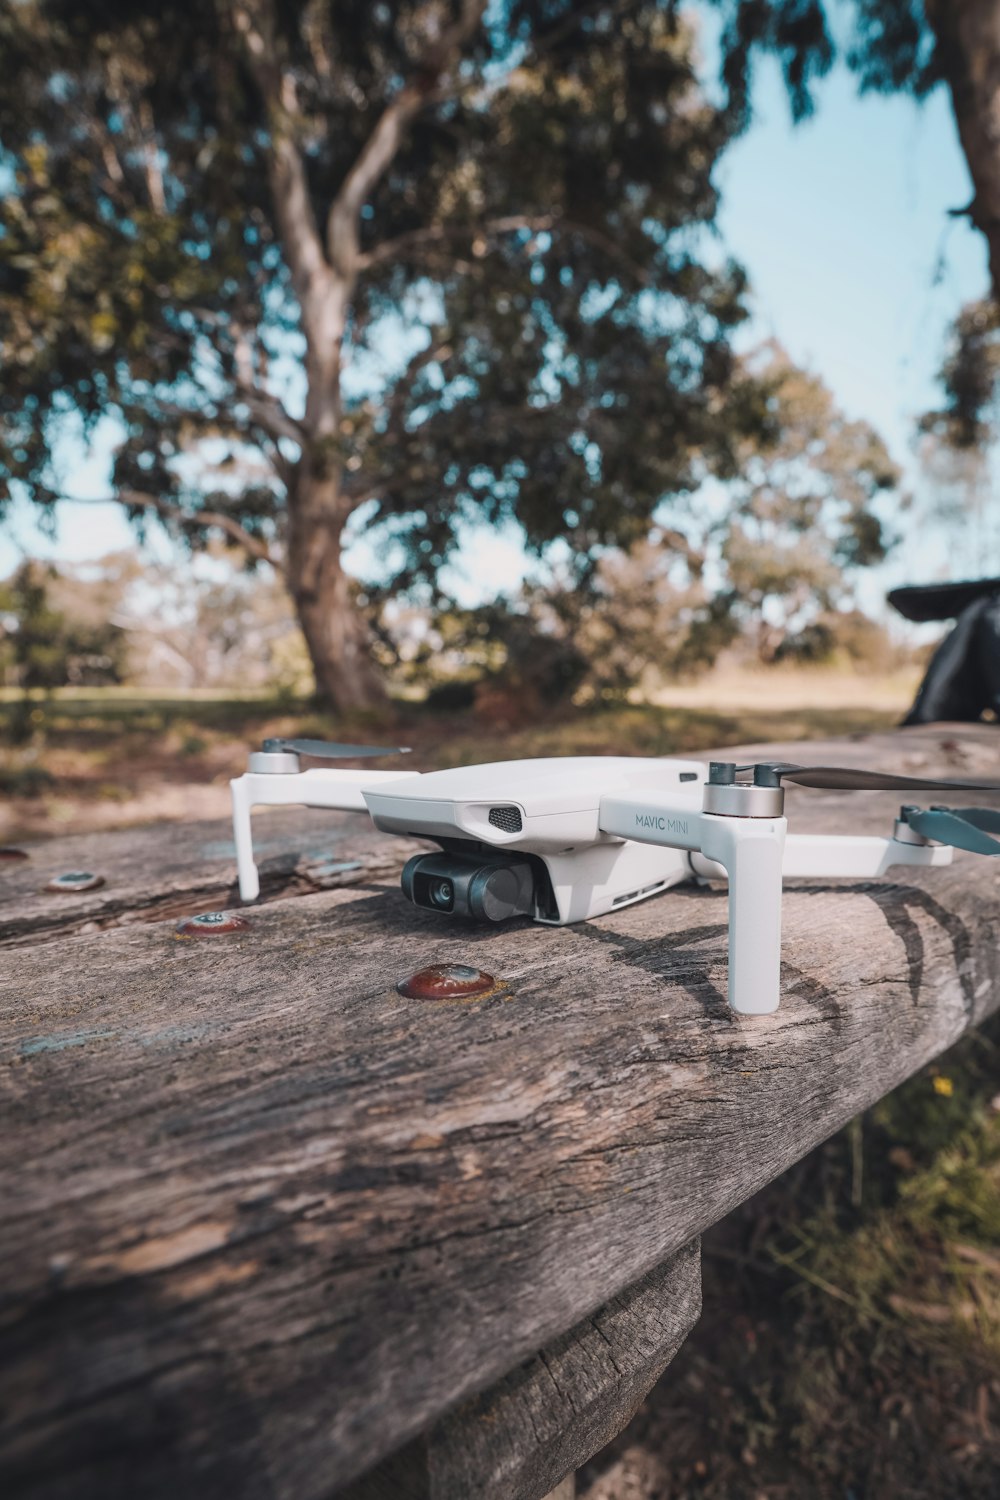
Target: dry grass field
[(76, 761)]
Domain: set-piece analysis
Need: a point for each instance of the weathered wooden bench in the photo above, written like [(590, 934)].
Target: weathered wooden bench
[(269, 1229)]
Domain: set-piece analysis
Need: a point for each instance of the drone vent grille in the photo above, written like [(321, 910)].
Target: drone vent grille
[(508, 819)]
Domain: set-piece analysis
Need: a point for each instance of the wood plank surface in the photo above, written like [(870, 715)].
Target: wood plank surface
[(521, 1439), (264, 1220), (177, 869)]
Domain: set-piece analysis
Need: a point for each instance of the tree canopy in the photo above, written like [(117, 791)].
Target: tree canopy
[(324, 268), (770, 561)]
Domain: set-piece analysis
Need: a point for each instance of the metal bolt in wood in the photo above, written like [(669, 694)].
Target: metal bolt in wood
[(212, 924), (74, 881)]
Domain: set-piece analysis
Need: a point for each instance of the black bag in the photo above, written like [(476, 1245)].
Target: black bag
[(940, 601), (962, 681)]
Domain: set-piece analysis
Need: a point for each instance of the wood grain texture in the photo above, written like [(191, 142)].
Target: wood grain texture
[(522, 1439), (264, 1220), (176, 869)]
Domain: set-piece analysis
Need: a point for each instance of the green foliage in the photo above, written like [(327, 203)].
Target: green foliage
[(803, 515), (968, 377), (795, 31), (851, 1321), (841, 638), (894, 48), (797, 523), (928, 1238), (891, 47), (41, 648), (128, 237), (541, 216)]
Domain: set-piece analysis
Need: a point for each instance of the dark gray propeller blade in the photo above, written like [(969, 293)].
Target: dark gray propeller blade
[(850, 779), (330, 750), (961, 827)]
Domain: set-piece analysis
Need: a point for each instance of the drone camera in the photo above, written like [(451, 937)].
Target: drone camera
[(489, 887)]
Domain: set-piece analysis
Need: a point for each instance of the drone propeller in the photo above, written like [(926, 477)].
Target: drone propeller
[(850, 779), (330, 750), (961, 827)]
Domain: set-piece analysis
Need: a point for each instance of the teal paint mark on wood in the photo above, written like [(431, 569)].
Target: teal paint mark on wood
[(35, 1044)]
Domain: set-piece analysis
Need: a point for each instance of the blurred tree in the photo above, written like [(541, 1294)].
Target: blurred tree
[(845, 638), (213, 627), (33, 630), (803, 515), (329, 268), (43, 647), (773, 559), (958, 432)]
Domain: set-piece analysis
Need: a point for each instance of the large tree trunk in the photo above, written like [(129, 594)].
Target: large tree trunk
[(335, 632), (968, 37), (324, 270)]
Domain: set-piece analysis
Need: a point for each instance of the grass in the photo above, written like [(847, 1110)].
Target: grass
[(850, 1344)]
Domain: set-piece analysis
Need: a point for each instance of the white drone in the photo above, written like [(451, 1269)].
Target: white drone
[(560, 840)]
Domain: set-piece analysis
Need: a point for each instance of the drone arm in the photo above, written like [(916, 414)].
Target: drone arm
[(836, 854), (342, 790), (857, 856)]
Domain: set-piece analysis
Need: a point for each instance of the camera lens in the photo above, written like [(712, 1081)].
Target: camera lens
[(442, 894)]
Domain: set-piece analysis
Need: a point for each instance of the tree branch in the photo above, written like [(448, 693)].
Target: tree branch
[(261, 415), (378, 152), (266, 409), (435, 234), (254, 546), (140, 129), (270, 414), (254, 21), (433, 353)]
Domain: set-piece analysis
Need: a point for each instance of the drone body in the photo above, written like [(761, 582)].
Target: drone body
[(541, 814), (564, 839), (540, 819)]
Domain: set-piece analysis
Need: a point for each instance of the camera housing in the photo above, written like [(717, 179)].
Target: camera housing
[(490, 887)]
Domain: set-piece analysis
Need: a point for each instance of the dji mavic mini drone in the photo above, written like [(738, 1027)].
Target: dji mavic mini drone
[(561, 840)]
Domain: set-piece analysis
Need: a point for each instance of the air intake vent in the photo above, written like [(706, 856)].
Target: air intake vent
[(506, 818)]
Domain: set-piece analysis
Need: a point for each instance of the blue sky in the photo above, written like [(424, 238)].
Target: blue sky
[(842, 224)]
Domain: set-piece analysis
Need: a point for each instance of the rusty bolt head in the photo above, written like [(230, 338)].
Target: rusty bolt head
[(212, 924), (8, 854), (446, 982), (73, 881)]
